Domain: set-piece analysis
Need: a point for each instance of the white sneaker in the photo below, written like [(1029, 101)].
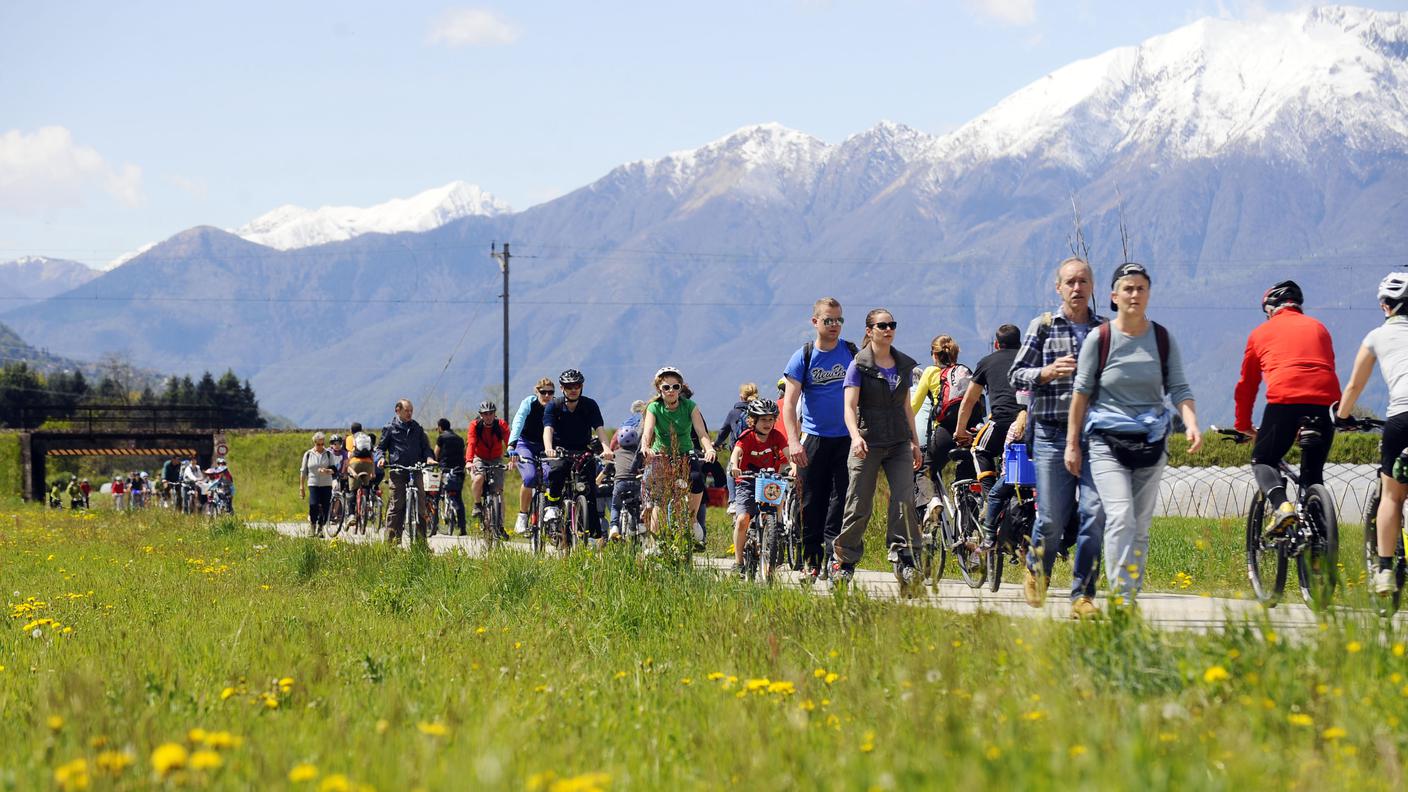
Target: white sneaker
[(520, 526), (614, 534), (698, 533), (1385, 582), (551, 514), (732, 508)]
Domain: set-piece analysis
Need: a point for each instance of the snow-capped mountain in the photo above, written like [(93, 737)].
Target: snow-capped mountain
[(1241, 153), (1283, 83), (289, 227), (33, 278)]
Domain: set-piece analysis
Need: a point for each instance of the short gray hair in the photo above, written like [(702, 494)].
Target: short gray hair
[(318, 437), (1074, 260)]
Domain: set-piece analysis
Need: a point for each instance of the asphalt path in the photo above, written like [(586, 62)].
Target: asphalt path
[(1161, 609)]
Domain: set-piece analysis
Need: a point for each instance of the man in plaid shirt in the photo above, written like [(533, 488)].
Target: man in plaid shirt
[(1046, 365)]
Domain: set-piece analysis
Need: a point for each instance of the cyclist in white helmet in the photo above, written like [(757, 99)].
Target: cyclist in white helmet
[(1388, 344)]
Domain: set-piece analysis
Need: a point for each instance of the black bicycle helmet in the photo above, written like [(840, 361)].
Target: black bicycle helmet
[(1286, 291), (570, 377), (488, 406), (762, 408)]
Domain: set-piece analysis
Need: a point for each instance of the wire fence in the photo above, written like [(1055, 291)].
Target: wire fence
[(1228, 491)]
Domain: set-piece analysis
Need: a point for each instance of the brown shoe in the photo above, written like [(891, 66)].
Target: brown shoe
[(1084, 608), (1034, 589)]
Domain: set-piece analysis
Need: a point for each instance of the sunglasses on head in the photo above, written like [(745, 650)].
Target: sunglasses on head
[(836, 322), (670, 386), (884, 325)]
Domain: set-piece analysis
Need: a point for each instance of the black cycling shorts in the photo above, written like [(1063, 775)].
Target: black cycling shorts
[(1395, 441)]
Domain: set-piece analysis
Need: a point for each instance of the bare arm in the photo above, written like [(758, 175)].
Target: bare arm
[(733, 459), (1074, 421), (549, 450), (790, 398), (965, 410), (858, 445), (647, 433), (1189, 411), (1358, 378)]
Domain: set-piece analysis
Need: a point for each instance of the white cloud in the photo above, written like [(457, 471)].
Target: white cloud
[(472, 27), (45, 169), (1008, 12)]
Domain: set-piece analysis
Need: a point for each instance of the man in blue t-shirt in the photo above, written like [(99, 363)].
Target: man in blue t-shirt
[(818, 441)]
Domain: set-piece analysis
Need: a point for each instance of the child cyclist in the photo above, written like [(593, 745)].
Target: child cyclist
[(761, 447)]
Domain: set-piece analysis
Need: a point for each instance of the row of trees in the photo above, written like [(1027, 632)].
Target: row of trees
[(29, 397)]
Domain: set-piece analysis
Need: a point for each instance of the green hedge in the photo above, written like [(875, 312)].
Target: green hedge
[(10, 484), (1352, 448)]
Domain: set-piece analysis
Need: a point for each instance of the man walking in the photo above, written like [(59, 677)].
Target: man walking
[(819, 443), (1046, 366), (403, 442)]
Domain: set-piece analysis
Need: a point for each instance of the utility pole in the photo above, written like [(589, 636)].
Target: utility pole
[(503, 259)]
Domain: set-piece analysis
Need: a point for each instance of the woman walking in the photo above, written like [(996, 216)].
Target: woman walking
[(315, 474), (1124, 370), (880, 419), (671, 422)]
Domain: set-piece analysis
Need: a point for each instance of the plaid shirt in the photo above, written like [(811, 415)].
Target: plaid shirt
[(1042, 345)]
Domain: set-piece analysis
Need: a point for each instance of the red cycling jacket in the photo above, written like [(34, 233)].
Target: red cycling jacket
[(486, 442), (1295, 354)]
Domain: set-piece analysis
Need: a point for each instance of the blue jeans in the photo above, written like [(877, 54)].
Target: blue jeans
[(1057, 491)]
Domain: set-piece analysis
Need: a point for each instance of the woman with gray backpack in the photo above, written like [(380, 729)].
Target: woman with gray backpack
[(1125, 369)]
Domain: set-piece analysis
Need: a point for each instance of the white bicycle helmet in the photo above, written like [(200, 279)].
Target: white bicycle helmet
[(663, 370), (1394, 286)]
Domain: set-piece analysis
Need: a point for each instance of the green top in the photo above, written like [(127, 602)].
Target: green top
[(672, 427)]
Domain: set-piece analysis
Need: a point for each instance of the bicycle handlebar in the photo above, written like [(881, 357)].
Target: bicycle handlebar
[(1231, 434)]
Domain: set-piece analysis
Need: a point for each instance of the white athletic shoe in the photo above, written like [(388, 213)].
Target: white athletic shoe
[(614, 534), (698, 533), (551, 514), (1385, 582), (520, 526)]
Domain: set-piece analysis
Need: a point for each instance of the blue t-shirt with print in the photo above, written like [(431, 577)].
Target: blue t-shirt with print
[(823, 407)]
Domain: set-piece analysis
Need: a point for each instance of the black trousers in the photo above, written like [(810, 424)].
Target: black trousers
[(1280, 423), (558, 468), (319, 500), (824, 483)]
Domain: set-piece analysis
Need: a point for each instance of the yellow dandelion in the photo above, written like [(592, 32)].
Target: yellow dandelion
[(782, 688), (1034, 715), (715, 676), (196, 736), (206, 760), (382, 725), (72, 775), (168, 757), (868, 743), (1398, 649), (223, 739), (1353, 647), (114, 762), (286, 684), (1215, 674), (808, 705), (1076, 750), (1333, 733), (1300, 719), (227, 693), (754, 685), (819, 673), (1165, 737), (270, 701), (992, 753), (480, 630), (55, 722), (686, 681), (433, 729), (302, 772), (337, 782), (831, 678)]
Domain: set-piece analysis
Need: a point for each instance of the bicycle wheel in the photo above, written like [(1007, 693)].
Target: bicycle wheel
[(792, 519), (1317, 566), (750, 554), (1386, 606), (772, 545), (1266, 562), (972, 567), (939, 521), (494, 516)]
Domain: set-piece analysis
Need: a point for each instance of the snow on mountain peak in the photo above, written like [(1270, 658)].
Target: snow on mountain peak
[(289, 227), (1280, 80)]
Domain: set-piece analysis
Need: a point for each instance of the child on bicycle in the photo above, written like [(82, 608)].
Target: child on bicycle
[(761, 447), (626, 466)]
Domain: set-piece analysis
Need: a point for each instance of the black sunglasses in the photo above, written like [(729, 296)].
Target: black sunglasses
[(548, 392), (884, 325)]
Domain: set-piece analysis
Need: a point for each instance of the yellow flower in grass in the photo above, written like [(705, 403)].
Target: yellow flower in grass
[(782, 688), (206, 760), (1216, 674), (302, 772), (1300, 719), (819, 673), (756, 685), (227, 693), (286, 684), (1398, 650), (196, 736), (1077, 750), (831, 678), (992, 753), (72, 775), (114, 762), (715, 676), (222, 739), (1333, 733), (337, 782), (169, 757), (1034, 715), (1353, 647), (270, 701), (55, 722), (433, 729)]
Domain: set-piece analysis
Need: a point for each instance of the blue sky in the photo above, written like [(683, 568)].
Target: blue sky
[(124, 123)]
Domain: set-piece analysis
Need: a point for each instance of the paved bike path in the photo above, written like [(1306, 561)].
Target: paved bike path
[(1161, 609)]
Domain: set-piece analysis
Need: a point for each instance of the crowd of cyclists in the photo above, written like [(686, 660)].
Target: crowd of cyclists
[(182, 484), (1086, 400)]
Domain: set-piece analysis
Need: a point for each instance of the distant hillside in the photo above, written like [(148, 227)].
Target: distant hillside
[(33, 278)]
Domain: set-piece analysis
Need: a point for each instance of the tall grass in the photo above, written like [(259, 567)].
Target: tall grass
[(403, 670)]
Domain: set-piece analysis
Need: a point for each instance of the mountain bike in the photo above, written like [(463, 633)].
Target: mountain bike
[(217, 498), (441, 500), (416, 506), (790, 528), (628, 520), (572, 527), (953, 527), (764, 545), (341, 507), (1386, 606), (491, 502), (1312, 542)]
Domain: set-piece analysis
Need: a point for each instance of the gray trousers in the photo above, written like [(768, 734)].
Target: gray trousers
[(898, 463), (1129, 497)]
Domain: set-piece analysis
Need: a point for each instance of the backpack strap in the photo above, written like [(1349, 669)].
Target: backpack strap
[(1104, 357), (806, 362), (1160, 340)]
